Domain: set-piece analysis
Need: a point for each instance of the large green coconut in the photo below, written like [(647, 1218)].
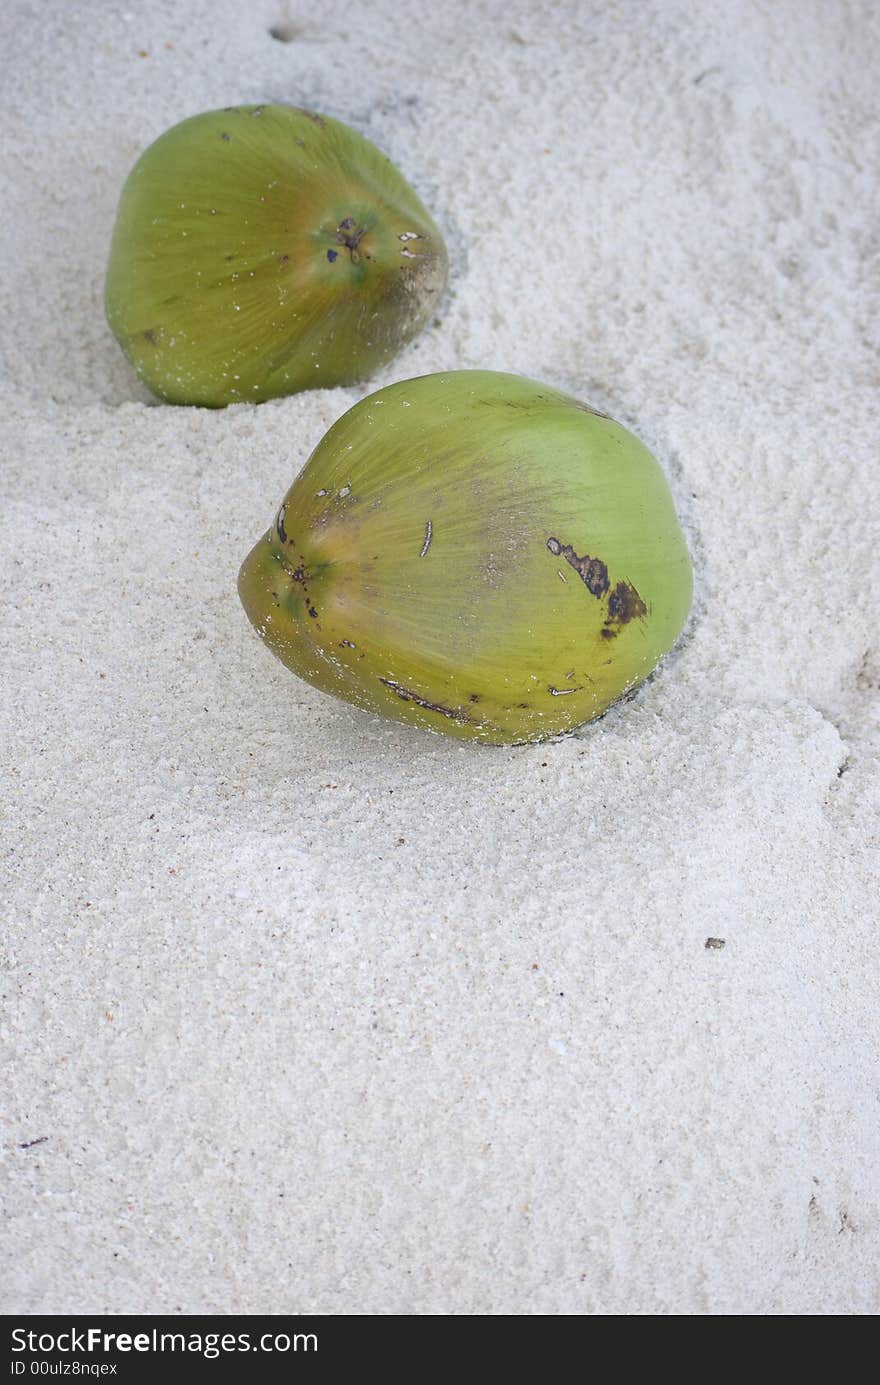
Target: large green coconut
[(473, 553), (262, 250)]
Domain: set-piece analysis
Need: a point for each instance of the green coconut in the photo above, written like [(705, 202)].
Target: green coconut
[(477, 554), (262, 250)]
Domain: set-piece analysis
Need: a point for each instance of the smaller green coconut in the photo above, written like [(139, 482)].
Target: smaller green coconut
[(477, 554), (262, 250)]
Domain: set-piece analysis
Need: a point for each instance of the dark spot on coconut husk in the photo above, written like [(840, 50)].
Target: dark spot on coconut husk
[(406, 695), (332, 255), (592, 571), (296, 574), (350, 235), (624, 605), (300, 575), (315, 118), (225, 137), (150, 336), (624, 602)]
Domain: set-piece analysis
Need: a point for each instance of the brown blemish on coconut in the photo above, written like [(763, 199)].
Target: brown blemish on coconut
[(592, 571), (624, 605), (624, 602)]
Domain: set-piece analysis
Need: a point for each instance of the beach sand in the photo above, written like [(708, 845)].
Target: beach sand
[(309, 1012)]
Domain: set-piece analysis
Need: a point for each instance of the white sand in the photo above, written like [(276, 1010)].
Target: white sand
[(313, 1012)]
